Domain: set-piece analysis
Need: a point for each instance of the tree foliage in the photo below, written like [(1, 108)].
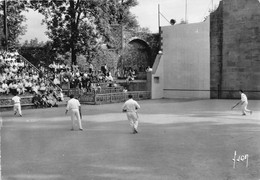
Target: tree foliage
[(134, 56), (80, 26), (34, 43), (38, 53), (15, 18)]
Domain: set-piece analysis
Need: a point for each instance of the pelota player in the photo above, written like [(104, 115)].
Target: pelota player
[(131, 107), (244, 103)]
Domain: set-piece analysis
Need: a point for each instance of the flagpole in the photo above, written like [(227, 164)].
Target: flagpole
[(159, 25), (186, 7), (159, 17)]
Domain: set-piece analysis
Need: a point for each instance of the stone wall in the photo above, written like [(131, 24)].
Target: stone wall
[(216, 41), (135, 85), (151, 39), (113, 97), (235, 62)]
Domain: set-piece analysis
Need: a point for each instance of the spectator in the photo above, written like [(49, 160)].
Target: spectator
[(36, 100), (2, 77), (56, 81), (35, 87), (13, 87), (51, 100), (124, 90), (109, 77), (28, 85), (2, 91), (20, 87), (44, 99), (115, 84), (148, 69), (98, 87), (13, 69), (5, 87), (59, 95), (130, 77), (35, 76), (42, 87), (91, 67)]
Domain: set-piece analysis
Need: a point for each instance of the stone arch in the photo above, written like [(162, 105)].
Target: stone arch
[(136, 55), (138, 39)]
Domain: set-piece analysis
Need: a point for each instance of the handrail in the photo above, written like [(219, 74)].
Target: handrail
[(28, 62), (35, 68)]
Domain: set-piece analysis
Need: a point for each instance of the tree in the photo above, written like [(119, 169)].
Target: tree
[(14, 21), (81, 26), (118, 12), (38, 53), (34, 43)]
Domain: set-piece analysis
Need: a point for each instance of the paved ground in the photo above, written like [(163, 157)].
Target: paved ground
[(178, 140)]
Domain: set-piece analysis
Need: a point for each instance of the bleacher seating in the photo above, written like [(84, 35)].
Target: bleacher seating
[(19, 76), (90, 87)]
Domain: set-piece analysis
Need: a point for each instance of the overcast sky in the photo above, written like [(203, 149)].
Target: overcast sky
[(146, 12)]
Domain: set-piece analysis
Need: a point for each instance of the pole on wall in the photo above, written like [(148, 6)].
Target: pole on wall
[(159, 23), (186, 8)]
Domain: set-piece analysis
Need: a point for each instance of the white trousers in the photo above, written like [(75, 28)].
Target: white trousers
[(133, 119), (75, 114), (244, 108), (17, 108)]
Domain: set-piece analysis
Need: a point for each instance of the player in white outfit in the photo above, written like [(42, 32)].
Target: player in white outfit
[(74, 107), (244, 103), (17, 105), (130, 107)]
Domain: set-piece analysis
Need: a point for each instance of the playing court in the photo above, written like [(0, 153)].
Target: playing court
[(177, 140)]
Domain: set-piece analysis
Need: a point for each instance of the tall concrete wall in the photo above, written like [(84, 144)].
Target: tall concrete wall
[(186, 60), (157, 78), (235, 49)]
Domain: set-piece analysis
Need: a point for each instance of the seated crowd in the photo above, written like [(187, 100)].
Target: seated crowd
[(18, 77), (89, 79), (86, 80), (47, 99)]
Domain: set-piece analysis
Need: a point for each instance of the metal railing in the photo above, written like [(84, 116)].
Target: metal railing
[(37, 70)]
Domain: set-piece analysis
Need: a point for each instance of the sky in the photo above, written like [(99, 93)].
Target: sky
[(146, 13)]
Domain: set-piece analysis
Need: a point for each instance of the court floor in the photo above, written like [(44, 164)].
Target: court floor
[(177, 140)]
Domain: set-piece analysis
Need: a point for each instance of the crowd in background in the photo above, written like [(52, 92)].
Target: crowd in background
[(73, 77), (19, 77)]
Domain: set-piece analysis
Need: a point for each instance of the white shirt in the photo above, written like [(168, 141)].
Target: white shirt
[(61, 96), (131, 106), (28, 84), (244, 98), (56, 81), (16, 99), (4, 86), (35, 88), (35, 77), (73, 104)]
